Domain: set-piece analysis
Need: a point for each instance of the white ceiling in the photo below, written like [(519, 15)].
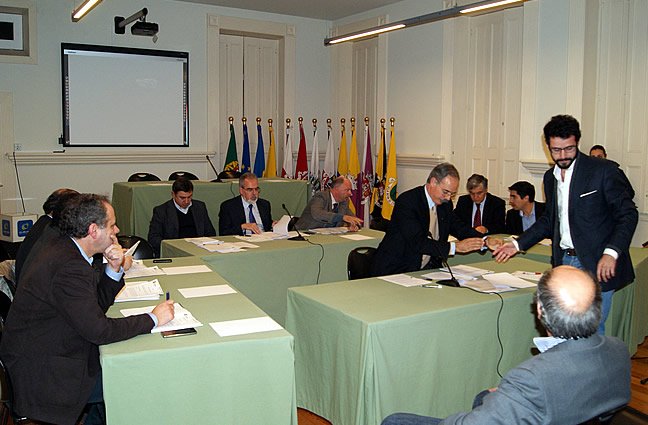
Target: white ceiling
[(330, 10)]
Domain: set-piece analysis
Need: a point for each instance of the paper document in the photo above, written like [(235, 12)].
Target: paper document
[(281, 226), (186, 269), (532, 276), (227, 247), (132, 249), (441, 276), (206, 291), (204, 240), (508, 279), (482, 285), (245, 326), (182, 318), (138, 269), (404, 280), (466, 272), (140, 291), (329, 230), (263, 237), (356, 237)]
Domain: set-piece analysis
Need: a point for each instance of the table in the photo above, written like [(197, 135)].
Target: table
[(367, 348), (202, 378), (134, 201), (264, 274)]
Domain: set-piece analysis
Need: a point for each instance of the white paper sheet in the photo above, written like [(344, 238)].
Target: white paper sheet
[(508, 279), (140, 291), (404, 280), (281, 226), (532, 276), (186, 269), (329, 230), (138, 269), (206, 291), (467, 272), (204, 240), (182, 318), (356, 237), (132, 249), (245, 326)]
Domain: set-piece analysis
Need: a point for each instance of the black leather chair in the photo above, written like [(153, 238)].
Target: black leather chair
[(229, 175), (144, 249), (359, 262), (187, 175), (143, 177)]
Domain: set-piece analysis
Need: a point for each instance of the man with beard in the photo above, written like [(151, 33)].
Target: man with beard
[(417, 237), (590, 215), (245, 214)]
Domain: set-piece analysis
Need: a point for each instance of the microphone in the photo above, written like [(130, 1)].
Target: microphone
[(212, 165), (448, 282), (299, 236)]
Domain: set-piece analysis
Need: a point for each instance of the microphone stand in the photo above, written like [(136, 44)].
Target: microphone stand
[(448, 282), (299, 236), (212, 166)]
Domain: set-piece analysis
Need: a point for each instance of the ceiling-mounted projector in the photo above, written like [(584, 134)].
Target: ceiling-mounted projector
[(141, 27), (145, 28)]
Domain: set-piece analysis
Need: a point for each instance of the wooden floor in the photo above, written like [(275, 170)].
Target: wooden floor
[(639, 399)]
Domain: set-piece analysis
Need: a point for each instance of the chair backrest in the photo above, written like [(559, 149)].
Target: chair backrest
[(187, 175), (229, 175), (359, 262), (144, 249), (143, 177)]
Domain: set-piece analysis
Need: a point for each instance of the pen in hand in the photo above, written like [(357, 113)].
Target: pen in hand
[(167, 296)]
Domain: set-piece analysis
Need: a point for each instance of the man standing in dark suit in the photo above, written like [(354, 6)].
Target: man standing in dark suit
[(245, 214), (417, 236), (565, 383), (590, 215), (180, 217), (524, 209), (50, 343), (479, 209)]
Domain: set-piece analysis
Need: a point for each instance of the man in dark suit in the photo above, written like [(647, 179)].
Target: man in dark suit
[(330, 208), (50, 343), (479, 209), (180, 217), (565, 383), (590, 215), (524, 208), (415, 239), (245, 214)]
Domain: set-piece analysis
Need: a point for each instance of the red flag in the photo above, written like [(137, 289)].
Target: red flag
[(301, 171)]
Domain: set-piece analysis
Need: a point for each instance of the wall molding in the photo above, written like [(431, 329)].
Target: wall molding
[(535, 167), (419, 161), (130, 157)]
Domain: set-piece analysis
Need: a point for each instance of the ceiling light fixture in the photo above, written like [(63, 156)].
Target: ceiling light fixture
[(486, 5), (83, 9)]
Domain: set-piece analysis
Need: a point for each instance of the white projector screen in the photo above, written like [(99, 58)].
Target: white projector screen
[(114, 96)]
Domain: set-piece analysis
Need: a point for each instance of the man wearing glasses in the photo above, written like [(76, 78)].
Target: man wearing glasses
[(246, 214), (417, 237), (590, 215)]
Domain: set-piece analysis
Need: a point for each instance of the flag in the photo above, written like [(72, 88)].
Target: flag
[(343, 165), (271, 166), (315, 174), (231, 159), (379, 178), (367, 177), (391, 179), (287, 167), (354, 173), (328, 173), (259, 159), (301, 172), (246, 166)]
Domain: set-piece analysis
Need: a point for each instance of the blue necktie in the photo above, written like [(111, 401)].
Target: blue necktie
[(251, 215)]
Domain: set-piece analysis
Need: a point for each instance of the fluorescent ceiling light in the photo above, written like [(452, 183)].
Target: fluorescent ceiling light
[(367, 33), (488, 5), (84, 8)]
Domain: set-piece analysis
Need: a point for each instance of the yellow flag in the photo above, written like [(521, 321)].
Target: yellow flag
[(391, 183), (343, 166), (354, 172), (271, 166), (377, 194)]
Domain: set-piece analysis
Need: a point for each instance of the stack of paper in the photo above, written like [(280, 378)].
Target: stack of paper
[(467, 272), (329, 230), (263, 237), (138, 269), (182, 318), (507, 279), (227, 247), (203, 241), (140, 291), (404, 280)]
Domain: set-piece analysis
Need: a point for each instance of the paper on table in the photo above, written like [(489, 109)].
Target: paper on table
[(140, 291), (228, 247), (329, 230), (281, 226), (206, 291), (404, 280), (245, 326), (356, 237), (467, 272), (182, 318), (508, 279), (532, 276), (203, 240), (138, 269), (440, 276), (186, 269), (482, 285), (263, 237)]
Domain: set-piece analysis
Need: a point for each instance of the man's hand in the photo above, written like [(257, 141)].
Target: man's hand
[(164, 312), (605, 268), (114, 254), (469, 245), (252, 227), (504, 252), (494, 243), (128, 262), (353, 222), (481, 229)]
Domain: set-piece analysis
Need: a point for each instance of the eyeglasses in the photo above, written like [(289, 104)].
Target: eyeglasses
[(251, 189), (448, 193), (566, 149)]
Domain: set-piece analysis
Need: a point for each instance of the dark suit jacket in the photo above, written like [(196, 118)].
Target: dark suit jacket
[(55, 325), (319, 212), (164, 223), (232, 215), (514, 221), (601, 215), (27, 244), (407, 237), (492, 216), (564, 385)]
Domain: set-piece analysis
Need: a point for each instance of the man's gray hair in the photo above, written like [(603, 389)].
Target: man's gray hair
[(475, 180), (442, 171), (246, 176), (80, 212)]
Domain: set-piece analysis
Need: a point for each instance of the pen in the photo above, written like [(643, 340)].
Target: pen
[(167, 296)]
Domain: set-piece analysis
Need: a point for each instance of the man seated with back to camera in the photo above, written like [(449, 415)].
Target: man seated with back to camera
[(330, 208), (578, 374)]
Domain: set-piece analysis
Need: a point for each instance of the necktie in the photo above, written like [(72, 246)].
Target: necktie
[(433, 227), (251, 214), (477, 219), (336, 207)]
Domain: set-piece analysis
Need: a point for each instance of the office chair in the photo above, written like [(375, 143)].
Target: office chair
[(359, 262), (143, 177), (144, 249), (229, 175), (187, 175)]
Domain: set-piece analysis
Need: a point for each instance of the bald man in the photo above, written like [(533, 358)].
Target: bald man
[(565, 383)]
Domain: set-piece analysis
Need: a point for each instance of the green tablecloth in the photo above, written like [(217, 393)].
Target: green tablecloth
[(134, 201), (264, 274), (367, 348), (201, 378)]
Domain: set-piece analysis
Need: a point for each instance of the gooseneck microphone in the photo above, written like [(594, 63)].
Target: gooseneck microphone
[(448, 282), (212, 165), (299, 236)]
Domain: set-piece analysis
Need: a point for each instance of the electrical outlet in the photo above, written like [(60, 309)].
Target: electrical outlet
[(18, 147)]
